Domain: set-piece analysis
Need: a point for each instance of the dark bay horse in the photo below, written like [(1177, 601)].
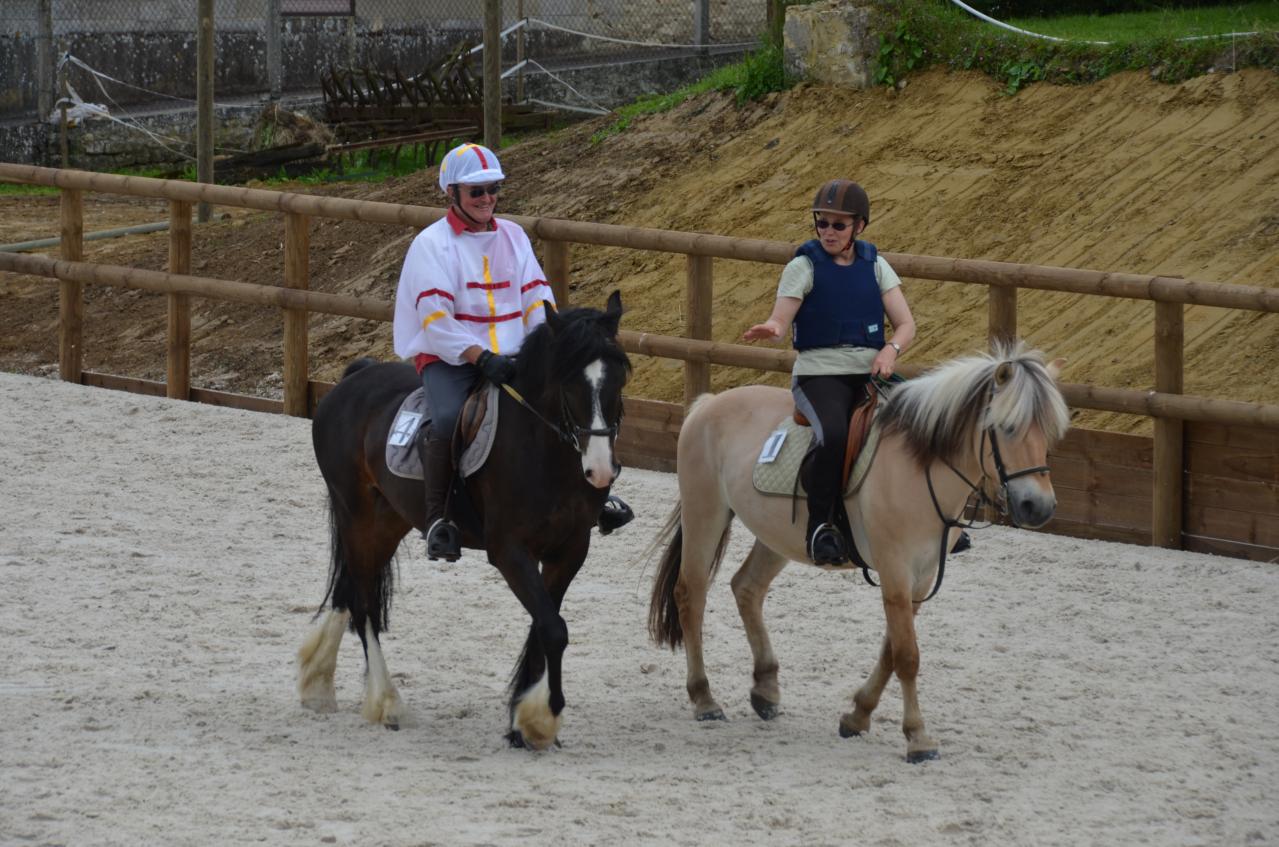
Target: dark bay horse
[(536, 499), (977, 423)]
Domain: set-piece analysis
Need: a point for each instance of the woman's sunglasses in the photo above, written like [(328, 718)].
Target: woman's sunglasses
[(478, 191), (838, 226)]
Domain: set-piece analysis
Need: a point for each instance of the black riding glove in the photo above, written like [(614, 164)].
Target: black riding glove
[(497, 369)]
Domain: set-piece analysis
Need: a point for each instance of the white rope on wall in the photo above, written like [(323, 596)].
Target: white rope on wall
[(988, 19)]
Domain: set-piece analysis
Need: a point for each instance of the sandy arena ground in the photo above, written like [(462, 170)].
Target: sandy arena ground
[(160, 562)]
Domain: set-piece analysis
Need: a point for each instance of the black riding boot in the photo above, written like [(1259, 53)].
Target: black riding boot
[(826, 544), (615, 515), (443, 540)]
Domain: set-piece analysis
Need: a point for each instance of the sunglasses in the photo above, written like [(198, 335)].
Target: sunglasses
[(478, 191), (838, 226)]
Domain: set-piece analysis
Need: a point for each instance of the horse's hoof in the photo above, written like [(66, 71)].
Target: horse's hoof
[(394, 727), (922, 756), (848, 731), (713, 715), (764, 708), (515, 738)]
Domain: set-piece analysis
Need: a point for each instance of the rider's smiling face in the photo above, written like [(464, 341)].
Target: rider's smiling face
[(480, 209)]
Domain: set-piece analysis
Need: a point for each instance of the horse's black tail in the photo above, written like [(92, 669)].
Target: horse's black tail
[(359, 365), (342, 589)]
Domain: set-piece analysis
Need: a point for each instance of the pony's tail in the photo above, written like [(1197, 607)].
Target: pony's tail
[(663, 612)]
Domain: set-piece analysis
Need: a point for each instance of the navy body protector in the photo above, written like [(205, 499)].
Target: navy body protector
[(845, 308)]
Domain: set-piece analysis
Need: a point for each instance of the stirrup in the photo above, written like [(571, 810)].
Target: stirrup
[(614, 515), (443, 541), (826, 546)]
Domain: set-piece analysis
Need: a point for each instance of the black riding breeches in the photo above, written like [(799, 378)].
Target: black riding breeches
[(447, 387), (828, 403)]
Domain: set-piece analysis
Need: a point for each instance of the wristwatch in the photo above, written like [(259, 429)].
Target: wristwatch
[(895, 346)]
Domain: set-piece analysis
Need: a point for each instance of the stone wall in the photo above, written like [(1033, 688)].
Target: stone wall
[(831, 42)]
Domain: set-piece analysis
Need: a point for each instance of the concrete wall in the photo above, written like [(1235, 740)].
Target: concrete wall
[(151, 43)]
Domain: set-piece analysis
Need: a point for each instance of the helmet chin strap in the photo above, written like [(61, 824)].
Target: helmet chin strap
[(455, 194)]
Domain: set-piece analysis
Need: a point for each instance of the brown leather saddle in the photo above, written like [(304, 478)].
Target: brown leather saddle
[(469, 419)]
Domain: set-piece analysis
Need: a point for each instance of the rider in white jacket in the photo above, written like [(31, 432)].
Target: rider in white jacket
[(470, 292)]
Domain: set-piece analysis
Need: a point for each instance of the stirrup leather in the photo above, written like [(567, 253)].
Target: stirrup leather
[(443, 541)]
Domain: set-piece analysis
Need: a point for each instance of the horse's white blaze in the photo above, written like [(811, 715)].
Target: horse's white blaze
[(597, 460), (533, 717), (381, 700), (318, 659)]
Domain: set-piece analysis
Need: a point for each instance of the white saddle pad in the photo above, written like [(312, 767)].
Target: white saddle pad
[(784, 449)]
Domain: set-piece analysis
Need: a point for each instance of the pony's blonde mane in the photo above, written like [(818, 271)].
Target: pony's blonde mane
[(938, 412)]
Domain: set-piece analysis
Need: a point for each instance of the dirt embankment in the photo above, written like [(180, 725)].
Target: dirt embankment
[(1124, 175)]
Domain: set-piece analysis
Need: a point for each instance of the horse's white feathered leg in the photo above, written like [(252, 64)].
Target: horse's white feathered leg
[(317, 660), (381, 700), (533, 717)]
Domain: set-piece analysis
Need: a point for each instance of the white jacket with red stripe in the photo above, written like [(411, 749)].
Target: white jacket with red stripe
[(459, 288)]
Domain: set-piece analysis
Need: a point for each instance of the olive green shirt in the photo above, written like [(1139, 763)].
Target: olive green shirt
[(797, 281)]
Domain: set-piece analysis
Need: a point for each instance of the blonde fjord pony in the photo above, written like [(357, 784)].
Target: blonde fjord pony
[(981, 422)]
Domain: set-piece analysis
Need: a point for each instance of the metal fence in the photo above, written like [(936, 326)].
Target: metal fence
[(144, 50)]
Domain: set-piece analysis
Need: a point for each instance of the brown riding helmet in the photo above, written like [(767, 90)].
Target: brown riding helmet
[(844, 197)]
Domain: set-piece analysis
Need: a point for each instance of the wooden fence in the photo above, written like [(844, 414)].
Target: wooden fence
[(1208, 479)]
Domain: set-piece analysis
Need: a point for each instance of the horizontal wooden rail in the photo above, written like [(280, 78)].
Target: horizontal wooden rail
[(215, 289), (776, 359), (975, 271)]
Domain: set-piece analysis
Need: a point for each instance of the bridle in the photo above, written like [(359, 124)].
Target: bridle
[(976, 499), (568, 430)]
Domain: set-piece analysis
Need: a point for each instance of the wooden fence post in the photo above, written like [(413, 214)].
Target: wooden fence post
[(776, 25), (71, 294), (492, 74), (697, 320), (178, 381), (297, 242), (1169, 467), (557, 272), (1002, 314)]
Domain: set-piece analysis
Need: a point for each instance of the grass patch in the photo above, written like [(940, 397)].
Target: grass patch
[(935, 33), (758, 74), (1160, 24), (14, 189)]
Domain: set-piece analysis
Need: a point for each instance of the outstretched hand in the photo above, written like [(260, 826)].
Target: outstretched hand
[(767, 331)]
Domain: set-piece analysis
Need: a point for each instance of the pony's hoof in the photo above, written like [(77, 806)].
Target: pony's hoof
[(918, 756), (765, 709), (712, 715), (394, 727), (848, 727), (515, 738)]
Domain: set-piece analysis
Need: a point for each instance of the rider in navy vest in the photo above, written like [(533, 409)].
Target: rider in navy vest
[(834, 295)]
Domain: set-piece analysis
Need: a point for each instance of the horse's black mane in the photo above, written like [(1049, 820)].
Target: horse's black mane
[(568, 342)]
